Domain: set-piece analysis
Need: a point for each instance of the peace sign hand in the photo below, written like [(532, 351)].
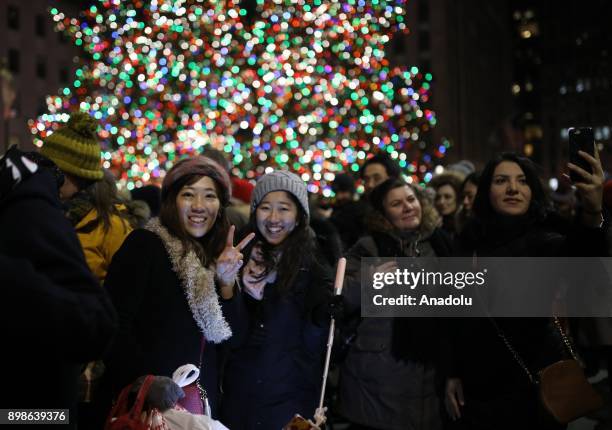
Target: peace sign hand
[(230, 262)]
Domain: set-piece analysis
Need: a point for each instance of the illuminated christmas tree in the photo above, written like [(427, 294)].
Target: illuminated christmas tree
[(295, 85)]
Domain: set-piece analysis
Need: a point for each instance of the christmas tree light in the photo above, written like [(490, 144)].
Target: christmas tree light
[(299, 85)]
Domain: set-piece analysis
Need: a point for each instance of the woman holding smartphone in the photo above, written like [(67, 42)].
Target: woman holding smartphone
[(489, 387)]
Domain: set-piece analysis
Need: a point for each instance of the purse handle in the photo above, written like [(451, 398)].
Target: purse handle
[(518, 358), (515, 354)]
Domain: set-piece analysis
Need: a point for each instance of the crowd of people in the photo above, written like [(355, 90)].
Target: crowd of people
[(102, 288)]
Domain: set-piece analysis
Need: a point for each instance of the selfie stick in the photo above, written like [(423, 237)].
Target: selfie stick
[(320, 413)]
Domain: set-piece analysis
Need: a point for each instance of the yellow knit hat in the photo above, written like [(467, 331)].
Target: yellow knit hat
[(75, 148)]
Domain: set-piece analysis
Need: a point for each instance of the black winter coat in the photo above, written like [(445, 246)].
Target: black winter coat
[(388, 379), (276, 369), (54, 315), (157, 331), (496, 387)]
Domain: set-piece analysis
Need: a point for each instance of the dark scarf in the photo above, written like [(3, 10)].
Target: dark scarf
[(413, 339), (500, 235), (394, 243)]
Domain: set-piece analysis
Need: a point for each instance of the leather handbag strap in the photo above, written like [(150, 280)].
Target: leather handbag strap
[(202, 344), (513, 351), (202, 391), (566, 340), (518, 358), (515, 354)]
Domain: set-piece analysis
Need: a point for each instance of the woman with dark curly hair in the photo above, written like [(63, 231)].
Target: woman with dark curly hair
[(387, 381)]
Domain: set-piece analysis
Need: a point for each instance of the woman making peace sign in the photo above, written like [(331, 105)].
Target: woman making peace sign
[(173, 281), (275, 368)]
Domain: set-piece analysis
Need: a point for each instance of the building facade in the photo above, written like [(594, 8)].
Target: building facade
[(466, 45), (38, 60)]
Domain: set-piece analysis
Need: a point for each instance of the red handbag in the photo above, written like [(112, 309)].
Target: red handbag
[(196, 400), (120, 418)]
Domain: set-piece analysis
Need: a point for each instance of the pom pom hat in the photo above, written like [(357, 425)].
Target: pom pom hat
[(74, 147)]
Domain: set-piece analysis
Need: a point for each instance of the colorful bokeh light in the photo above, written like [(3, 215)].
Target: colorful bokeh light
[(299, 85)]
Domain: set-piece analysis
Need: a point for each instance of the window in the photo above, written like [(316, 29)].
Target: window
[(40, 26), (13, 60), (12, 16), (41, 68)]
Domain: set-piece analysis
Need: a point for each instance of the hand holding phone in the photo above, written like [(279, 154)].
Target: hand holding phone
[(580, 139), (587, 175)]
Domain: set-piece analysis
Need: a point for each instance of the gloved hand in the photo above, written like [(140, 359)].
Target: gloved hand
[(333, 307)]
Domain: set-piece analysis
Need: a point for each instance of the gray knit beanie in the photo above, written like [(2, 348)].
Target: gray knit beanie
[(280, 180)]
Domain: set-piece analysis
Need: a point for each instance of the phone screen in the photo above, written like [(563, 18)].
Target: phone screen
[(580, 139)]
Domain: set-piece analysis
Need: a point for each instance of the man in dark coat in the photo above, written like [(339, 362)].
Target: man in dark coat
[(53, 314)]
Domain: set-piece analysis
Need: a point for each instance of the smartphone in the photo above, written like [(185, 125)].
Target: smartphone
[(580, 139)]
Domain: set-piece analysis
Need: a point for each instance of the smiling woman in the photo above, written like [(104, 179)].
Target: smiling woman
[(276, 216), (275, 369), (387, 380), (198, 206), (487, 386), (172, 282), (510, 193)]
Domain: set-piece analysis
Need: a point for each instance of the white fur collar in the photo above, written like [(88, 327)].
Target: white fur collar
[(198, 284)]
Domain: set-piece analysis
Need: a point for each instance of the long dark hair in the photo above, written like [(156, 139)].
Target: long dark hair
[(472, 178), (483, 209), (298, 248), (209, 246)]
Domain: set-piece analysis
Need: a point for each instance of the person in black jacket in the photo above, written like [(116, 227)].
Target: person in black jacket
[(275, 369), (388, 379), (173, 281), (488, 388), (53, 313)]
